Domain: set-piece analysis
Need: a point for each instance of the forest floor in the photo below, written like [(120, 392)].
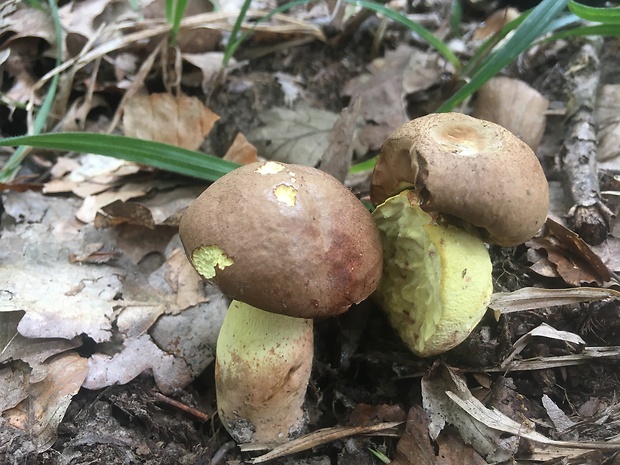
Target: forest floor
[(107, 336)]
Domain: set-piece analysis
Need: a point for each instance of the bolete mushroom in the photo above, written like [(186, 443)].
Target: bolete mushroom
[(288, 243), (443, 183)]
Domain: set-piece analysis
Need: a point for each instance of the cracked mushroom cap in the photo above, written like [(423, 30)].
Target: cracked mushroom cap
[(284, 238), (469, 168)]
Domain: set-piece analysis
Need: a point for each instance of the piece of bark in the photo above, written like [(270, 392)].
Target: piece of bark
[(589, 217)]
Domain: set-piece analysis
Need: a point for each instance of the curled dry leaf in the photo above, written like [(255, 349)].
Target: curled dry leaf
[(182, 121), (88, 174), (160, 209), (317, 438), (544, 330), (92, 204), (28, 23), (137, 355), (209, 64), (23, 81), (184, 280), (42, 411), (573, 259), (34, 352)]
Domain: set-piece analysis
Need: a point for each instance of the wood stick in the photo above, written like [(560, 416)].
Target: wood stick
[(589, 217)]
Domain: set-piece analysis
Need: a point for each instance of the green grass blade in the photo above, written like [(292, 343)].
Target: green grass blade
[(367, 165), (233, 41), (491, 42), (12, 165), (41, 118), (169, 4), (536, 23), (236, 40), (456, 17), (566, 20), (600, 15), (594, 30), (427, 35), (158, 155), (176, 17)]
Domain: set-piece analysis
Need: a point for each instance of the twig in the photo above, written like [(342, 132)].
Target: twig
[(589, 217), (221, 453), (181, 406)]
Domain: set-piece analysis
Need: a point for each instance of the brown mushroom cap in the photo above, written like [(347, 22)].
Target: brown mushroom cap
[(472, 169), (284, 238)]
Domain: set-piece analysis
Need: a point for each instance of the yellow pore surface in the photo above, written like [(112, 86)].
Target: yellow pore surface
[(209, 257), (436, 282)]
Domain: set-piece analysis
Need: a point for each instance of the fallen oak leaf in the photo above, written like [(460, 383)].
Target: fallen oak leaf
[(574, 260), (241, 151), (182, 121), (40, 414)]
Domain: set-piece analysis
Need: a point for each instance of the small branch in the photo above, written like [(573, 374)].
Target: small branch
[(589, 217)]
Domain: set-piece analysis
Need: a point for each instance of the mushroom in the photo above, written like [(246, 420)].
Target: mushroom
[(288, 243), (443, 183)]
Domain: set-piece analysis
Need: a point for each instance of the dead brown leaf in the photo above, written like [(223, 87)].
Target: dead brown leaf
[(406, 70), (297, 135), (42, 411), (209, 64), (34, 352), (14, 385), (574, 260), (29, 23), (415, 444), (115, 302), (336, 159), (453, 451), (137, 355), (367, 414), (121, 212), (495, 23), (182, 121), (23, 89), (93, 204), (241, 151), (184, 280), (516, 106)]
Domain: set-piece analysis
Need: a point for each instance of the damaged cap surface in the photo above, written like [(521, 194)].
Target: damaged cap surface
[(284, 238), (472, 169)]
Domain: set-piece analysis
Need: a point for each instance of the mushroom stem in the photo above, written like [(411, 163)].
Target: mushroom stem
[(263, 365)]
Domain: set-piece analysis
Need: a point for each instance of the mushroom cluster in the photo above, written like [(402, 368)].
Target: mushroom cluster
[(288, 243), (444, 184)]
